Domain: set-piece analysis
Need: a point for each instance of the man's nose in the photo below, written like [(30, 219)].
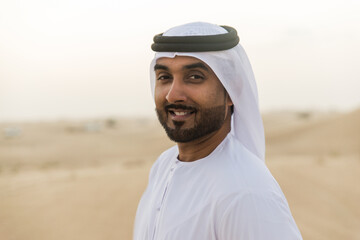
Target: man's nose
[(176, 92)]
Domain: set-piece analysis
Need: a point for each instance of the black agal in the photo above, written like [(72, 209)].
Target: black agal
[(203, 43)]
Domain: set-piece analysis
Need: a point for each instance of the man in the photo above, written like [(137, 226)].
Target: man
[(214, 183)]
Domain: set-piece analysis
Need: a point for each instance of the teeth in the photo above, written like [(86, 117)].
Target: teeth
[(180, 113)]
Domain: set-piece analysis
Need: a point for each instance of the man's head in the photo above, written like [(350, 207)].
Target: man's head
[(190, 100), (217, 48)]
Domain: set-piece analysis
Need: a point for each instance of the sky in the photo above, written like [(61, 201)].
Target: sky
[(73, 59)]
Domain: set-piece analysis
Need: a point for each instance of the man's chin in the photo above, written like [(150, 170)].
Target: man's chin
[(178, 124), (178, 136)]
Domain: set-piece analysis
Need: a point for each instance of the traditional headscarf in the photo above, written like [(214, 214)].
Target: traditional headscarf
[(234, 71)]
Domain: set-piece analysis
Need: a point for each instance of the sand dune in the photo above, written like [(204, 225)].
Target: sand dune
[(83, 180), (334, 135)]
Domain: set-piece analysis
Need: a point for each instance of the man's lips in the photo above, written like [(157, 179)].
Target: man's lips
[(180, 115), (180, 112)]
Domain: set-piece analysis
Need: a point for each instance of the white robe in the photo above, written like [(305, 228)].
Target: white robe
[(228, 195)]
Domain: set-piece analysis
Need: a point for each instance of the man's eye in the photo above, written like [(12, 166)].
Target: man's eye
[(163, 77), (196, 77)]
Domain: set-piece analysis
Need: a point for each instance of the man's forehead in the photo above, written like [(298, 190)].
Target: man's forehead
[(179, 59), (181, 62)]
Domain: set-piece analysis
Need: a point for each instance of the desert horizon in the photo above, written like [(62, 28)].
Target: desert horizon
[(82, 179)]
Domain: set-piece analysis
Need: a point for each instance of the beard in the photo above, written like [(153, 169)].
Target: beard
[(207, 120)]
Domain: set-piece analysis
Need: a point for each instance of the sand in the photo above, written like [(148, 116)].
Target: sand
[(83, 179)]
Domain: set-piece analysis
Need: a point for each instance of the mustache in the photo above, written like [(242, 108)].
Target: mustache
[(179, 106)]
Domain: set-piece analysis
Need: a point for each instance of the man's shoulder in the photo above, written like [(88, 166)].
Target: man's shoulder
[(242, 214), (167, 156), (235, 168), (164, 159), (169, 153)]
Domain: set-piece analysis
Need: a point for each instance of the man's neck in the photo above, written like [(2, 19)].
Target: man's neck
[(202, 147)]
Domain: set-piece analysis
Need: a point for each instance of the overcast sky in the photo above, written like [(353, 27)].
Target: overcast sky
[(90, 58)]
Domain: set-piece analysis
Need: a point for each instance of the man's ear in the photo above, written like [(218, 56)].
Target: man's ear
[(229, 103), (228, 100)]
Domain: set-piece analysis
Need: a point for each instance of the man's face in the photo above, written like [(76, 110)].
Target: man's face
[(190, 100)]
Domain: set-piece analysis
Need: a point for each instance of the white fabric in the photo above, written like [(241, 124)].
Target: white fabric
[(195, 29), (233, 69), (228, 195)]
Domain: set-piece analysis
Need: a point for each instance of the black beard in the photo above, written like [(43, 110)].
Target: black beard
[(207, 120)]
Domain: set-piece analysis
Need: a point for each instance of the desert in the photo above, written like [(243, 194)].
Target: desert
[(82, 179)]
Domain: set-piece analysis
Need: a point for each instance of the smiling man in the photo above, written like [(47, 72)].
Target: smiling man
[(214, 183)]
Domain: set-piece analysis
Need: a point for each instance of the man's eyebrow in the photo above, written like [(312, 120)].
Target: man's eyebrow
[(197, 65), (160, 67)]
